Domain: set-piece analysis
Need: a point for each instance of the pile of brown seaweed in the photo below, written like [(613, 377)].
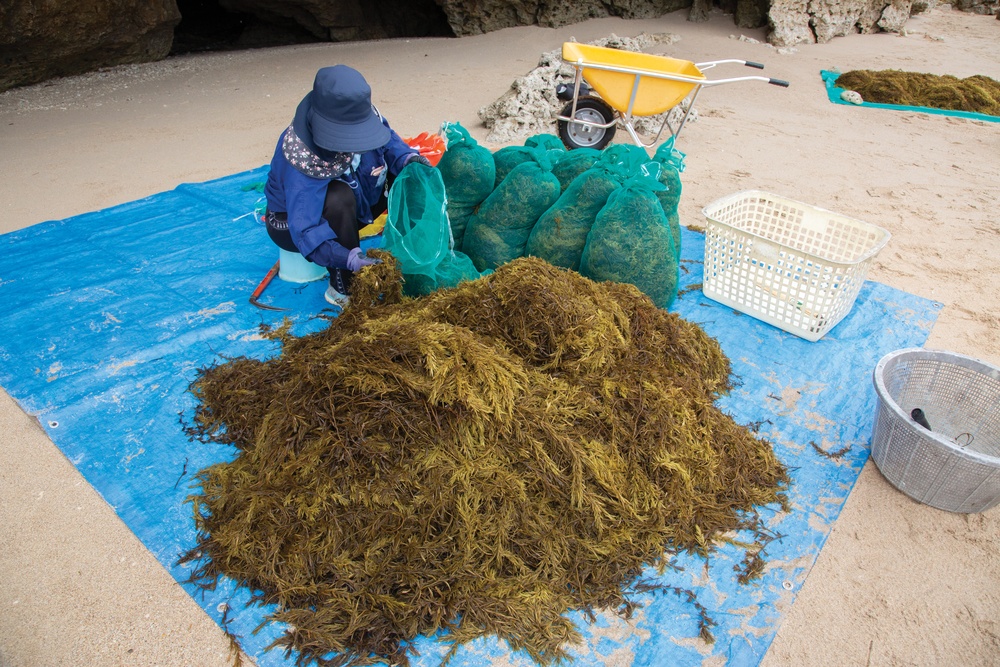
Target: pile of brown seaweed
[(480, 461), (979, 94)]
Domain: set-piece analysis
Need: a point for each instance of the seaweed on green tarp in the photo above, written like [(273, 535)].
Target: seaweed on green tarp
[(478, 461), (977, 94)]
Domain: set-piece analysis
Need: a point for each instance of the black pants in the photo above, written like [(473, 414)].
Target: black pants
[(340, 212)]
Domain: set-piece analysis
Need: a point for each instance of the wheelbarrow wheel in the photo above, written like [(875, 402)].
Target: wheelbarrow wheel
[(592, 110)]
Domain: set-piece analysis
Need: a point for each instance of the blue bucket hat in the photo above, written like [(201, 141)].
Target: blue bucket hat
[(338, 115)]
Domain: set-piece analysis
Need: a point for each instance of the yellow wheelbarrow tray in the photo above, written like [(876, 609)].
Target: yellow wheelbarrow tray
[(632, 84)]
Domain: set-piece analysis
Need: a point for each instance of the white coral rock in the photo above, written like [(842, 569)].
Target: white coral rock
[(851, 96)]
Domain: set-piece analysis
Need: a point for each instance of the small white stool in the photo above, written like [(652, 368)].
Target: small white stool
[(295, 268)]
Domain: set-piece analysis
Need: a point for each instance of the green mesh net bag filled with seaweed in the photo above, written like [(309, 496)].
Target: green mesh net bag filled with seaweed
[(671, 163), (674, 222), (498, 232), (469, 173), (573, 163), (549, 142), (628, 157), (630, 242), (561, 233), (538, 145), (509, 157), (418, 233)]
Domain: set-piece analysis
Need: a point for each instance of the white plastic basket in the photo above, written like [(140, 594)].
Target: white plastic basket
[(955, 464), (792, 265)]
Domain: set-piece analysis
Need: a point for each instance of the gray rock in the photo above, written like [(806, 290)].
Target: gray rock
[(801, 21), (701, 11), (471, 17), (979, 6), (342, 20), (42, 40), (751, 13), (894, 16), (746, 13), (789, 22), (852, 96)]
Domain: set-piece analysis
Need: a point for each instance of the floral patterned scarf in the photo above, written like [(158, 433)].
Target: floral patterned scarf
[(302, 158)]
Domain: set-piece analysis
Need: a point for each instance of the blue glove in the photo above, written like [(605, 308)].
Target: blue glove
[(356, 260)]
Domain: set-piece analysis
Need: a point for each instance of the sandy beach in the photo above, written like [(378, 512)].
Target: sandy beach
[(897, 583)]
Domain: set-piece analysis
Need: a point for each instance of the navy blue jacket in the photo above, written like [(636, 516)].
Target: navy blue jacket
[(302, 197)]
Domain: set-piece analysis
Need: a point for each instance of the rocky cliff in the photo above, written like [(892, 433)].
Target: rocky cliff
[(43, 40)]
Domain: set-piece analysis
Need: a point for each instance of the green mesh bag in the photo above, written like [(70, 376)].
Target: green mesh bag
[(509, 157), (549, 142), (455, 267), (670, 176), (630, 242), (666, 166), (498, 232), (469, 173), (674, 222), (671, 163), (573, 163), (667, 154), (629, 157), (418, 233), (561, 233)]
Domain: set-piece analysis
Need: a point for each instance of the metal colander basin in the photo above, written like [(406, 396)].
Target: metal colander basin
[(955, 465)]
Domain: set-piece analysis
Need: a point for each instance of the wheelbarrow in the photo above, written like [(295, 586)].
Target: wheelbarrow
[(613, 87)]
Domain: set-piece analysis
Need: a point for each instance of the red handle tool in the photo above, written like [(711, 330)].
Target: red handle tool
[(263, 285)]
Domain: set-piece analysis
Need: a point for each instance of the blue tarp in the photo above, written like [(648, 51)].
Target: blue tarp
[(833, 91), (109, 315)]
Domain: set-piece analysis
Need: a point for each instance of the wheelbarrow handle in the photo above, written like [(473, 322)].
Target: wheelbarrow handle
[(774, 82)]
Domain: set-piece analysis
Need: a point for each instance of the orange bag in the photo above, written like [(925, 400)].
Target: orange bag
[(431, 146)]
